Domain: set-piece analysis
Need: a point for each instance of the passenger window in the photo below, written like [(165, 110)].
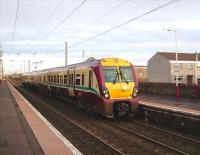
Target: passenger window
[(82, 80), (57, 78), (78, 79), (65, 79), (54, 80), (61, 78), (90, 79)]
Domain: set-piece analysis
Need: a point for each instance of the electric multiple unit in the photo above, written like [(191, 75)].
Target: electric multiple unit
[(107, 86)]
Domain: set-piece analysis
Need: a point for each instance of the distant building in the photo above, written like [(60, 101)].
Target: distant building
[(141, 73), (162, 67)]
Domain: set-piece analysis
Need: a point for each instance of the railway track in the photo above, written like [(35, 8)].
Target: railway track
[(107, 143), (188, 138), (148, 138), (93, 140)]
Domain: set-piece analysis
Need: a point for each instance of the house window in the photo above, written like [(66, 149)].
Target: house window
[(198, 65), (180, 66), (190, 66), (57, 78), (180, 78)]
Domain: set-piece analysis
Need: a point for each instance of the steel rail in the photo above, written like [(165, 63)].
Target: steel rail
[(115, 150), (147, 138), (167, 132)]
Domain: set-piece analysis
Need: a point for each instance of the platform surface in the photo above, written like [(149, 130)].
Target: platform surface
[(183, 105), (24, 131), (16, 137)]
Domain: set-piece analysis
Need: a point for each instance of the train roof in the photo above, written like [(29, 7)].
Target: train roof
[(89, 62)]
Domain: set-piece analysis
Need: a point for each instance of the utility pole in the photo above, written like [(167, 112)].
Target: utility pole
[(83, 55), (29, 66), (65, 53)]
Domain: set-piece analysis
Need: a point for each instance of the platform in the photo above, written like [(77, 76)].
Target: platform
[(186, 106), (24, 131)]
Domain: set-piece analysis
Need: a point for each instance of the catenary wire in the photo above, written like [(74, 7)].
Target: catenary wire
[(124, 23), (48, 19), (98, 18), (14, 29), (62, 21)]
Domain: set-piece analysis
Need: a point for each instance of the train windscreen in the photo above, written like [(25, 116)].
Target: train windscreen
[(111, 74), (126, 74)]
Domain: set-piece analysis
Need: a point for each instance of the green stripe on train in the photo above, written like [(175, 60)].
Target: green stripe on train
[(76, 87)]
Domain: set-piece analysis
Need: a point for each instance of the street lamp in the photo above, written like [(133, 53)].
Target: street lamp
[(176, 66)]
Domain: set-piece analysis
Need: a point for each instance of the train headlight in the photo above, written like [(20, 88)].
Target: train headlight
[(105, 93), (135, 92)]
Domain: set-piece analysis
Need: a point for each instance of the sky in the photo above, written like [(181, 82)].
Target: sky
[(38, 29)]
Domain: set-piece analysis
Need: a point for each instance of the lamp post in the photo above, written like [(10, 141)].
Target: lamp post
[(176, 66)]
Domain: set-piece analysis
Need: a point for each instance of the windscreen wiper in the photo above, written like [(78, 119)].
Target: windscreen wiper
[(124, 78), (114, 81)]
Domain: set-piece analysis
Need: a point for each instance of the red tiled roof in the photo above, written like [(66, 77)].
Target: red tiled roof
[(181, 56)]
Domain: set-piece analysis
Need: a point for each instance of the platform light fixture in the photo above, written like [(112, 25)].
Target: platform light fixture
[(176, 66)]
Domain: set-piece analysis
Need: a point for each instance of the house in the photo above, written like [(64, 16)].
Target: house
[(141, 73), (162, 67)]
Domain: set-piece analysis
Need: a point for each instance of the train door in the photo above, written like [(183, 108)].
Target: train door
[(71, 82)]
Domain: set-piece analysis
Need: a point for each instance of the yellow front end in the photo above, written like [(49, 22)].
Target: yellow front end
[(120, 89)]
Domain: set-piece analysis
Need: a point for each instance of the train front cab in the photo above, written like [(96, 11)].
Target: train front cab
[(120, 92)]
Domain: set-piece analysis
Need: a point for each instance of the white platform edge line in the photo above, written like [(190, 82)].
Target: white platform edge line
[(175, 109), (55, 131)]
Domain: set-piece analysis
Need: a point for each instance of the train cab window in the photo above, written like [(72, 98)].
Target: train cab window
[(82, 80), (126, 74), (111, 74), (65, 79), (61, 78), (78, 79), (57, 79)]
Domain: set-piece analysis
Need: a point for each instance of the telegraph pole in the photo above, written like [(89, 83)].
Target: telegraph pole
[(83, 55)]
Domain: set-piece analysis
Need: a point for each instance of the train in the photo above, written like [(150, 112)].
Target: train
[(107, 86)]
